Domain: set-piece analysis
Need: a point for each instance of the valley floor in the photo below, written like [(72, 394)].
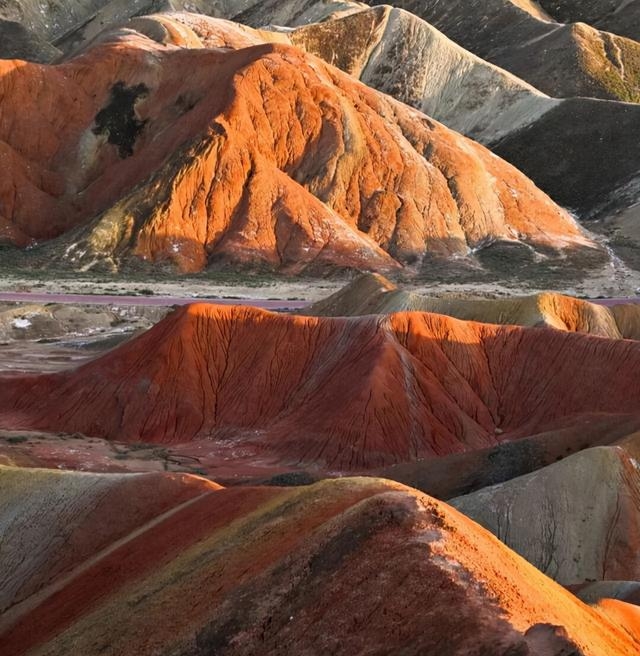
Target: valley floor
[(612, 281)]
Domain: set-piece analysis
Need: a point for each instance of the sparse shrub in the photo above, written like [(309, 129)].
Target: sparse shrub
[(17, 439)]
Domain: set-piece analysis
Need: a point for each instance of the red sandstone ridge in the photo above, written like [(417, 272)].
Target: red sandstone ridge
[(338, 393), (340, 567), (263, 155)]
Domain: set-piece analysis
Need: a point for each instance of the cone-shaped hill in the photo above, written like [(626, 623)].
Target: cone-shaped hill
[(569, 147), (562, 60)]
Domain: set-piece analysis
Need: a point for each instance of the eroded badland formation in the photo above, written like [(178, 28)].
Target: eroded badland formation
[(356, 367)]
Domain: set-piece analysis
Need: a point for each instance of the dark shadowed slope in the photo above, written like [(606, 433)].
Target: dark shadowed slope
[(619, 16), (463, 473), (562, 60)]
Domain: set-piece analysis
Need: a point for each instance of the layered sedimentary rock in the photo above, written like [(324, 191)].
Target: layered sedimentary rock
[(285, 162), (576, 520), (579, 150), (562, 60), (558, 144), (571, 147), (53, 521), (338, 567), (398, 53), (337, 394), (374, 294)]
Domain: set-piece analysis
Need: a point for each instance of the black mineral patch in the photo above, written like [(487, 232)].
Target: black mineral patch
[(118, 119)]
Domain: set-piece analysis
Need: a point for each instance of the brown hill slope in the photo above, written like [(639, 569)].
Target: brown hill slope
[(340, 567), (285, 162), (338, 394)]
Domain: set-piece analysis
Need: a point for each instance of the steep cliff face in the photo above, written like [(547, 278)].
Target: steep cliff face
[(284, 161), (337, 567)]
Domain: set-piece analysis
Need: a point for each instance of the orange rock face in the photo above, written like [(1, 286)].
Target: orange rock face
[(263, 155), (338, 394), (619, 612)]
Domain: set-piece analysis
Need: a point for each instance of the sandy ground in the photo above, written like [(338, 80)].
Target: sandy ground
[(614, 280), (197, 288)]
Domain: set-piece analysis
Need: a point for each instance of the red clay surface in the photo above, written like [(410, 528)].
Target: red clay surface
[(346, 394)]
